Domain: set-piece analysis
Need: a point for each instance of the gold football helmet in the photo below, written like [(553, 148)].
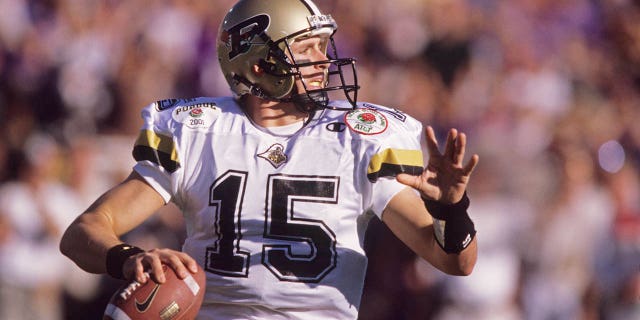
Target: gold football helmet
[(259, 32)]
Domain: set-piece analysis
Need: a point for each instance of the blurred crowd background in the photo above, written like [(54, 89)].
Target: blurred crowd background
[(548, 92)]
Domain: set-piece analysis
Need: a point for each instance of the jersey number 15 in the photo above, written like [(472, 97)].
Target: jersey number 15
[(225, 257)]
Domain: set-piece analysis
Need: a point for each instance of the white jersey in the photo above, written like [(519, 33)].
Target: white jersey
[(277, 221)]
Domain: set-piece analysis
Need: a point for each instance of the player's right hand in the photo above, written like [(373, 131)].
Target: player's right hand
[(446, 177), (137, 266)]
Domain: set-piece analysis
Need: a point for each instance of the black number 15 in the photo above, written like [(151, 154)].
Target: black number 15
[(226, 258)]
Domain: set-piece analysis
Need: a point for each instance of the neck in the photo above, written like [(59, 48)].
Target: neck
[(271, 113)]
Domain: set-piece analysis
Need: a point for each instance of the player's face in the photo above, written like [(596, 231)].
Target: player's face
[(311, 49)]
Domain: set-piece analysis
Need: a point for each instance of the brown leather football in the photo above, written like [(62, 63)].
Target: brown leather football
[(175, 299)]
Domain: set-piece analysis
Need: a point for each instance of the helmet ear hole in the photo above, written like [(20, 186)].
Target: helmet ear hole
[(257, 70), (282, 86), (267, 67), (277, 79)]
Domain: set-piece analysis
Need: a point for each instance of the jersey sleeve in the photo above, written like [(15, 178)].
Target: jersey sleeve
[(397, 150), (156, 150)]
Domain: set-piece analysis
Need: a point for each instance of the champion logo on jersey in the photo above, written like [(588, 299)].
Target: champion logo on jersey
[(366, 121), (275, 155)]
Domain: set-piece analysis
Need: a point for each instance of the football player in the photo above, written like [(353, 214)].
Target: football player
[(277, 182)]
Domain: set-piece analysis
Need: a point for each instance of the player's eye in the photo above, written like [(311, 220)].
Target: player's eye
[(307, 46), (304, 50)]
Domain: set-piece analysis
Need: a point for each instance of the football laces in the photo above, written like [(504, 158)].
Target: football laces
[(133, 286)]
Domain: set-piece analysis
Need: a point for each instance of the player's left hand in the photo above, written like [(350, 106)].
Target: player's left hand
[(445, 178)]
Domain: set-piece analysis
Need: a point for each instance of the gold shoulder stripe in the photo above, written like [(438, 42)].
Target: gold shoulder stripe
[(390, 162), (159, 149), (158, 142), (395, 157)]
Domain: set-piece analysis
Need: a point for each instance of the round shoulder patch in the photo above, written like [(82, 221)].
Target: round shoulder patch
[(366, 121), (199, 115)]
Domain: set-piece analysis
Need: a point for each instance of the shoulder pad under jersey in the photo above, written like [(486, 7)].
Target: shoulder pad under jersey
[(157, 139), (373, 120), (394, 137)]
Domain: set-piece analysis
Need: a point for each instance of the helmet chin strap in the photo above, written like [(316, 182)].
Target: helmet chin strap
[(306, 102), (309, 102)]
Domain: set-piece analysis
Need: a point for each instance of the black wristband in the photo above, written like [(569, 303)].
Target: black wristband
[(452, 226), (117, 255)]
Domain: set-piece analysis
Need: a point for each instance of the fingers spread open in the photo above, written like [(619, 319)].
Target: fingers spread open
[(471, 165), (460, 144), (432, 143), (450, 144), (409, 180)]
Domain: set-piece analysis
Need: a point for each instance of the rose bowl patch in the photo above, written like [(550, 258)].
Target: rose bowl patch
[(366, 121)]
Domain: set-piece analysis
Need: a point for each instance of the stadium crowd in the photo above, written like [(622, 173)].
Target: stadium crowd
[(548, 92)]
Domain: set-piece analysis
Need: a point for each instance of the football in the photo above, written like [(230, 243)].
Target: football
[(175, 299)]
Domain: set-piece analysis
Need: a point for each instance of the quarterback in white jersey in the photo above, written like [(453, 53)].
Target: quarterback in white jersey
[(269, 215), (278, 182)]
